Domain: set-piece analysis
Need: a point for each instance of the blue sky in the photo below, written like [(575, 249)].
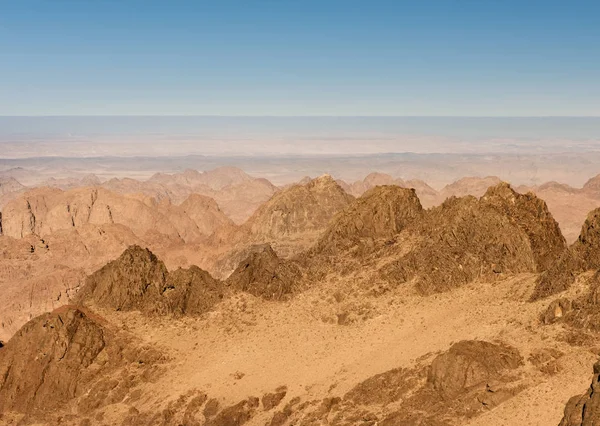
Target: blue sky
[(283, 57)]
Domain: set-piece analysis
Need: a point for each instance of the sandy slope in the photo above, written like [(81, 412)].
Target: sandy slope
[(293, 344)]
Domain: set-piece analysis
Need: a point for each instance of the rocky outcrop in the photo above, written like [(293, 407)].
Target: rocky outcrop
[(461, 383), (138, 280), (583, 312), (532, 216), (44, 211), (583, 255), (10, 189), (381, 212), (47, 362), (471, 364), (264, 274), (466, 238), (192, 291), (584, 410)]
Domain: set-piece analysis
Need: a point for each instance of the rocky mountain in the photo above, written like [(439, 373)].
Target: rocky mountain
[(464, 239), (501, 233), (381, 312), (295, 217), (381, 212), (45, 211), (264, 274), (137, 280), (215, 179), (592, 186), (237, 194)]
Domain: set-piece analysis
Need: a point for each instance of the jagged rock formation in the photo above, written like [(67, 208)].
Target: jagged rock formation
[(296, 216), (584, 410), (192, 291), (44, 211), (465, 238), (531, 215), (264, 274), (381, 212), (137, 280), (582, 255), (46, 363), (587, 247)]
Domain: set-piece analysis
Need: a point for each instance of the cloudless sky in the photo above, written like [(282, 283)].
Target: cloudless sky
[(300, 57)]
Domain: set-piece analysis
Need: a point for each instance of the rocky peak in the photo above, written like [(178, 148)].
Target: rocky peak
[(530, 214), (381, 212), (138, 280), (134, 281), (264, 274), (299, 209), (46, 363)]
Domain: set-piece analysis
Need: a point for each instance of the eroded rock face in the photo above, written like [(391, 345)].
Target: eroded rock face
[(47, 362), (465, 238), (584, 410), (300, 208), (264, 274), (205, 212), (587, 247), (295, 217), (471, 363), (192, 291), (583, 312), (381, 212), (134, 281), (583, 255), (138, 280), (531, 215)]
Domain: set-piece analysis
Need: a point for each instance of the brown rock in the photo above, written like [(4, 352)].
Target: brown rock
[(381, 212), (469, 364), (265, 275), (138, 280), (272, 400), (46, 363), (585, 410)]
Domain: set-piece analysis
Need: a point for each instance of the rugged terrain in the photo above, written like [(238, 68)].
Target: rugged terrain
[(371, 303)]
